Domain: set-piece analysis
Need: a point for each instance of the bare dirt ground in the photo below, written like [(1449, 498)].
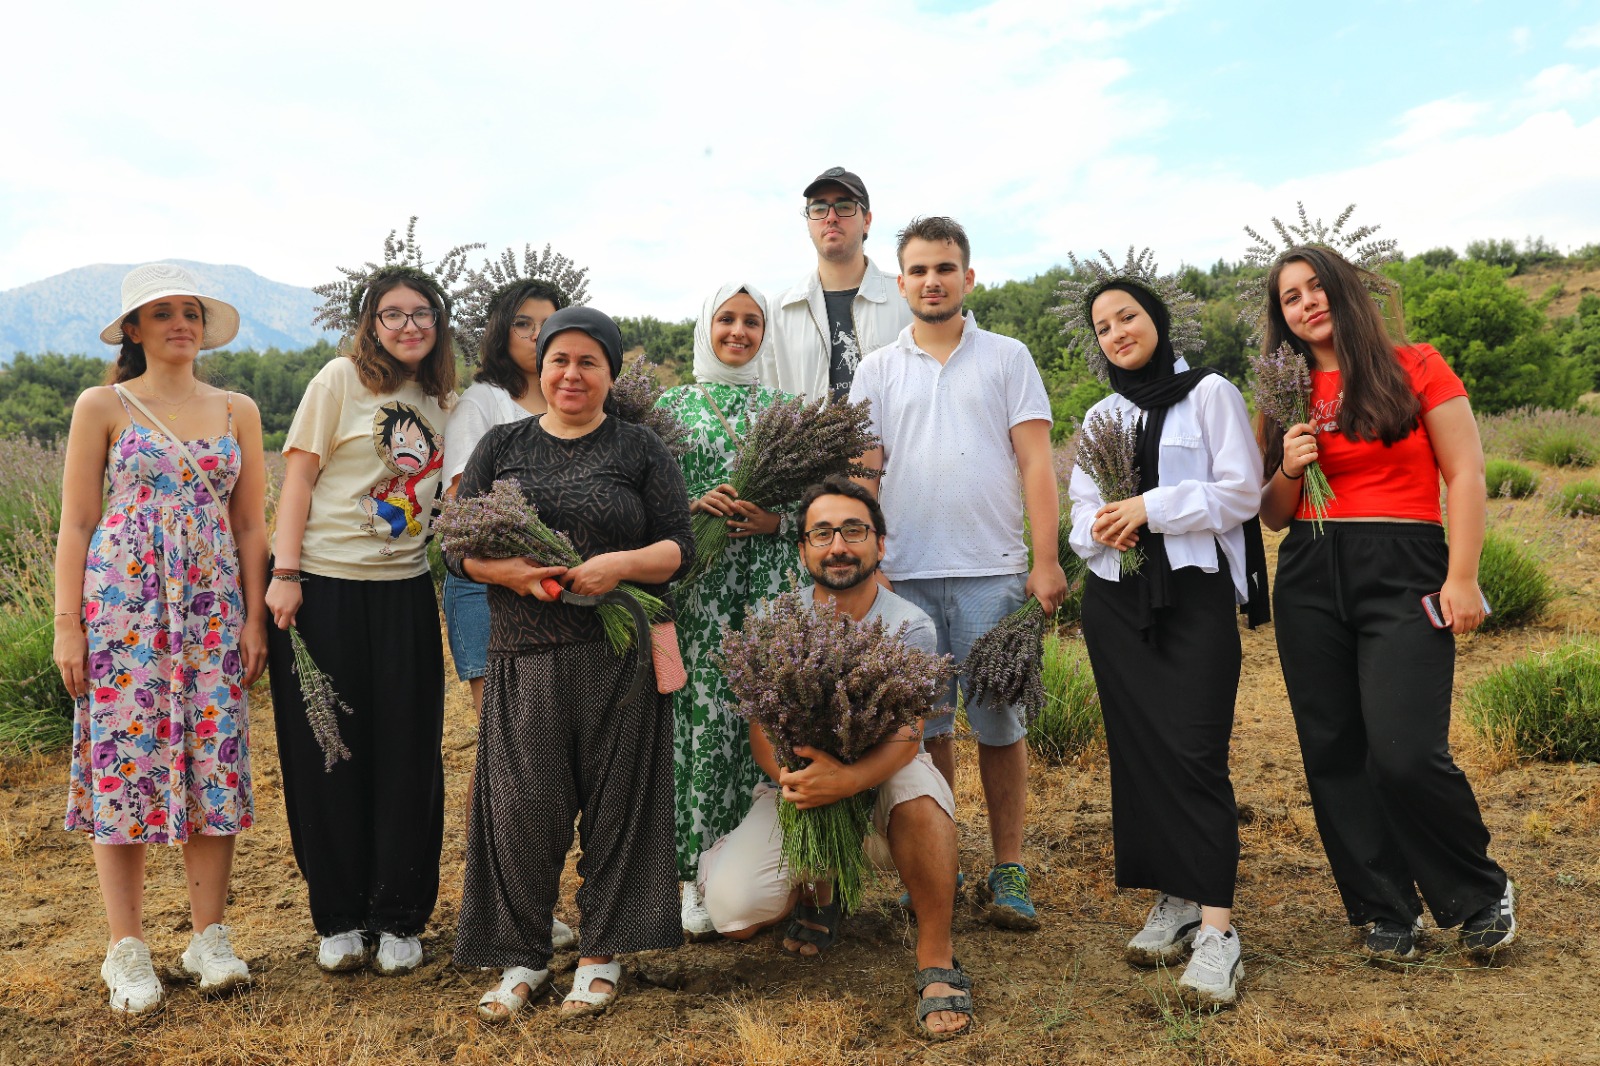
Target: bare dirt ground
[(1575, 284), (1062, 995)]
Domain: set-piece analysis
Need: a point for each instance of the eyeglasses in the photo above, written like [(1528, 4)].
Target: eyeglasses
[(526, 328), (852, 532), (817, 210), (395, 319)]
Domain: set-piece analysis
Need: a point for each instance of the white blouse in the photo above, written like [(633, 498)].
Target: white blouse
[(1209, 484), (480, 409)]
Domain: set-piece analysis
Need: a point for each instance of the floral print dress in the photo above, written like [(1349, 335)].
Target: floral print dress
[(713, 769), (160, 744)]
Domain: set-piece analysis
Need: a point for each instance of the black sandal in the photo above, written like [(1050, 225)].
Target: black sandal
[(828, 916), (960, 1003)]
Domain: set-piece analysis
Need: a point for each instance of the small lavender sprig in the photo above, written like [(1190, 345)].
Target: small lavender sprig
[(1283, 394), (1108, 451), (1005, 663), (634, 395), (323, 703)]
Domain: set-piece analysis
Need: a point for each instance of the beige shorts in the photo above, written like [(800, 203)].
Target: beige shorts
[(743, 880)]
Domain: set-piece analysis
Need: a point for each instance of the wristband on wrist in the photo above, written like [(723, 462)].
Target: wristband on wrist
[(69, 614), (285, 574), (1294, 477)]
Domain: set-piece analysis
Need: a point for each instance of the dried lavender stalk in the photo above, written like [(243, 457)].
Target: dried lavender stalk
[(1108, 451), (323, 704), (1004, 664), (1283, 395), (634, 395)]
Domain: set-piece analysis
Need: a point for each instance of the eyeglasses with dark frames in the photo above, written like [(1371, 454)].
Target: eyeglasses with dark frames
[(852, 532), (817, 210), (394, 319)]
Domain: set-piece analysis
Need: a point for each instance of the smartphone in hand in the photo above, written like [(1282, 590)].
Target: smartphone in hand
[(1430, 604)]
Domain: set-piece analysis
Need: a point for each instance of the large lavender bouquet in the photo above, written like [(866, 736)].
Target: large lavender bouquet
[(323, 704), (1109, 453), (789, 447), (1004, 664), (502, 524), (819, 678), (634, 395), (1283, 395)]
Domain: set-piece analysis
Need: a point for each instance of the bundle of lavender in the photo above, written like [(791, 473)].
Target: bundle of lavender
[(1108, 451), (502, 524), (818, 678), (1004, 664), (1283, 395), (323, 704), (634, 395), (789, 447)]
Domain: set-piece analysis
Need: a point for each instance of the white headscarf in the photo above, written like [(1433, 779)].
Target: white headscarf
[(707, 367)]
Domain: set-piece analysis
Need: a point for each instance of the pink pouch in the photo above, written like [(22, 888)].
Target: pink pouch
[(670, 674)]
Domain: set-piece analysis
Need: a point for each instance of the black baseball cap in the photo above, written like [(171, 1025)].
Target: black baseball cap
[(850, 181)]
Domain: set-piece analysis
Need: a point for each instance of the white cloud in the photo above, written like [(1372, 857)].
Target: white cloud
[(1521, 39), (1436, 120), (1562, 84), (1587, 37)]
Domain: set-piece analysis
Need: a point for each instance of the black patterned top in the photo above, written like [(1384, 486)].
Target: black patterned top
[(616, 488)]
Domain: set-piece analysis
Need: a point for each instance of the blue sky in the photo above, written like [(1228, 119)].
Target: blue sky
[(664, 145)]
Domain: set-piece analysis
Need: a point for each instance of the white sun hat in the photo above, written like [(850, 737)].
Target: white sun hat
[(156, 281)]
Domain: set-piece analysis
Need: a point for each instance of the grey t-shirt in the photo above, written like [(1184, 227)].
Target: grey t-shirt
[(845, 349), (896, 609)]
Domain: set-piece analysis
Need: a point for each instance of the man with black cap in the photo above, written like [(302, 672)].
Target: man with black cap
[(825, 323)]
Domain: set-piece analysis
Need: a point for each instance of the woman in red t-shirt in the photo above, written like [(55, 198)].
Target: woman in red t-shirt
[(1369, 675)]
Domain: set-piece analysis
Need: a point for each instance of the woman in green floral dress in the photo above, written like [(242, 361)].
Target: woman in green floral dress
[(713, 767)]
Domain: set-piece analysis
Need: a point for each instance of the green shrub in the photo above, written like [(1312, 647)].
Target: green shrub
[(1563, 446), (1557, 438), (1069, 724), (1513, 581), (1506, 478), (1579, 499), (30, 494), (1076, 569), (35, 713), (1545, 706)]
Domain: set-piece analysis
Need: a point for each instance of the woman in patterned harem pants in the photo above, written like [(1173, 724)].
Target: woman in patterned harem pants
[(556, 740), (712, 768)]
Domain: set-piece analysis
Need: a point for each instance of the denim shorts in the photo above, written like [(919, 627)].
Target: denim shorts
[(964, 609), (466, 617)]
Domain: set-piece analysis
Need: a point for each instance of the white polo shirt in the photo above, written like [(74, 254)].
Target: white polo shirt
[(951, 490)]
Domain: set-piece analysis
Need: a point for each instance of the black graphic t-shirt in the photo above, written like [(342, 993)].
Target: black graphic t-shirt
[(614, 489), (846, 351)]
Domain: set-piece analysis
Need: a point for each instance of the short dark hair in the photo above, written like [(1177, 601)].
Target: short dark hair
[(497, 367), (934, 228), (838, 485)]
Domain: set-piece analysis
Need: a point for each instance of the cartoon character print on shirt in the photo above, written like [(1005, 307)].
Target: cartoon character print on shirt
[(410, 447)]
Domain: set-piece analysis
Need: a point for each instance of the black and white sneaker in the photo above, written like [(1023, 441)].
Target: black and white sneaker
[(1492, 928), (1389, 941)]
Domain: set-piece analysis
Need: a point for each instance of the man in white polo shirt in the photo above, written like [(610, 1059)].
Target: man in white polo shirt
[(965, 425)]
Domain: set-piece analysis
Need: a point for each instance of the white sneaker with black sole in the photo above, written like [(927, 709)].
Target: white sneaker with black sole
[(209, 958), (131, 977), (1167, 933), (1212, 977)]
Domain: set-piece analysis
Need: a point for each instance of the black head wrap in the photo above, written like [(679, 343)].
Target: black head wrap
[(586, 320)]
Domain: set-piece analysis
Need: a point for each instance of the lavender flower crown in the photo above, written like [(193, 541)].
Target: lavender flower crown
[(341, 309), (1359, 247), (1090, 278), (485, 287)]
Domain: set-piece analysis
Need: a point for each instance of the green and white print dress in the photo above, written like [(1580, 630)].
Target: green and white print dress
[(713, 770)]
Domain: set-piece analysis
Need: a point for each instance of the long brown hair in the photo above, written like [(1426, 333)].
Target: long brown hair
[(383, 373), (1377, 402), (130, 362), (498, 368)]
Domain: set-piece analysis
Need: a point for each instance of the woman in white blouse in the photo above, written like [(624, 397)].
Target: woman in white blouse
[(1162, 641)]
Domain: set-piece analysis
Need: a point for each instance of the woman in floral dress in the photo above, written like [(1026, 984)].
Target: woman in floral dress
[(713, 769), (160, 623)]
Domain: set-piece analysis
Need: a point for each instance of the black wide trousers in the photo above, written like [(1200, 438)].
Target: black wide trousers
[(367, 833), (1168, 708), (1369, 680)]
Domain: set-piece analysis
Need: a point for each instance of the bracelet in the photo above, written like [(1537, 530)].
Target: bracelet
[(292, 576), (69, 614), (1285, 473)]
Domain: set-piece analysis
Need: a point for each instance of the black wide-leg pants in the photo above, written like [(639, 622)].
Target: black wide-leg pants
[(366, 833), (1168, 709), (1369, 680)]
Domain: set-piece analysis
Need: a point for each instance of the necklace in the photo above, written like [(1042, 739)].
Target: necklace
[(175, 408)]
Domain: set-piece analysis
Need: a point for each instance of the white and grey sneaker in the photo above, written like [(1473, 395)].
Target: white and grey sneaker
[(343, 952), (397, 954), (697, 924), (1167, 933), (1212, 977), (561, 935), (132, 979), (210, 958)]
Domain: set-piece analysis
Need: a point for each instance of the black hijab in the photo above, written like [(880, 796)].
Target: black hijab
[(1154, 388)]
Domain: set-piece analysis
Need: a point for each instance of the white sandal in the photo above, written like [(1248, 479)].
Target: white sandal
[(505, 993), (592, 1002)]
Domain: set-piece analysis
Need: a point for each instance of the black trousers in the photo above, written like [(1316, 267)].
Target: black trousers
[(367, 833), (1168, 710), (1369, 680)]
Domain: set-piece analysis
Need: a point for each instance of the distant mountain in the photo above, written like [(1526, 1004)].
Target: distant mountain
[(66, 313)]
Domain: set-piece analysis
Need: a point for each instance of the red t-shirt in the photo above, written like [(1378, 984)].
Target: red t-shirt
[(1371, 479)]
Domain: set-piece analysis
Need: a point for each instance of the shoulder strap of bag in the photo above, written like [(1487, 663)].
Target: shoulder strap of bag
[(732, 436), (127, 394)]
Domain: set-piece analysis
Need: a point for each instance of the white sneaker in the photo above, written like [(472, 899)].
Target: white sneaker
[(342, 952), (1212, 977), (210, 958), (561, 935), (697, 924), (131, 978), (397, 954), (1167, 933)]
